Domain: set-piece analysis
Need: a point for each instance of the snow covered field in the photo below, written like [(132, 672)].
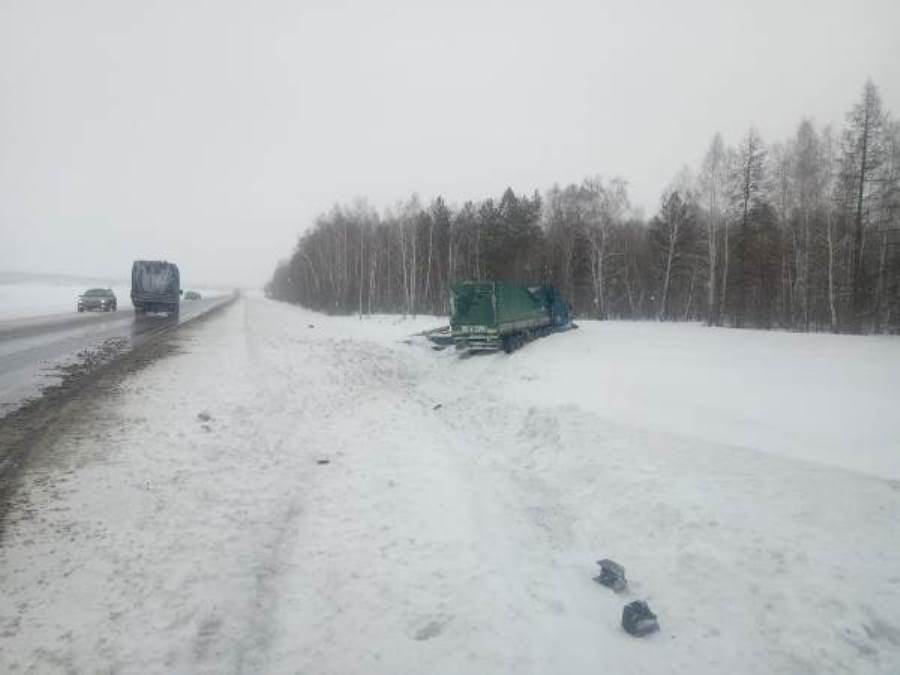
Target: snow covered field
[(29, 298), (748, 482), (23, 298)]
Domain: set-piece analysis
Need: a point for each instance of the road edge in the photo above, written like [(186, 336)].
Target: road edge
[(28, 428)]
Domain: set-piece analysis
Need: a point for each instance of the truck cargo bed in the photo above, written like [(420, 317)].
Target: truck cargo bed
[(493, 315)]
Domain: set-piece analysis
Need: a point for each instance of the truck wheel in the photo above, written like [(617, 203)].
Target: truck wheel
[(508, 345)]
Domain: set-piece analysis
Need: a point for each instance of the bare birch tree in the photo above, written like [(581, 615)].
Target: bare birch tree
[(863, 153), (712, 187)]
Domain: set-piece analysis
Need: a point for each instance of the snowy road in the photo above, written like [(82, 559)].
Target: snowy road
[(294, 493), (32, 348)]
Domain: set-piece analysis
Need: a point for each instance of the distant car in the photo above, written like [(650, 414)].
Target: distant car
[(191, 295), (102, 299)]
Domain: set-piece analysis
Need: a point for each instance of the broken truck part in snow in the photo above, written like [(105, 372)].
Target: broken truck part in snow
[(638, 620), (494, 315), (612, 575)]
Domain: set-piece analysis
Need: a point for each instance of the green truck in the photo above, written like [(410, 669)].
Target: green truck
[(493, 315)]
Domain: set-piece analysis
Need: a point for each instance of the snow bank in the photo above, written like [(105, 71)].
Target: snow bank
[(818, 397)]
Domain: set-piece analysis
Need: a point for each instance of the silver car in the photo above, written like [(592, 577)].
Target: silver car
[(102, 299)]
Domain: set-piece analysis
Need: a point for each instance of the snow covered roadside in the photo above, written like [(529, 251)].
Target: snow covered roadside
[(455, 526)]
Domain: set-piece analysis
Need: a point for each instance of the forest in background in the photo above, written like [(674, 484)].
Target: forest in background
[(802, 234)]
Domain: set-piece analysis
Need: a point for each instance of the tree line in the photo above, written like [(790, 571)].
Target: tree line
[(802, 234)]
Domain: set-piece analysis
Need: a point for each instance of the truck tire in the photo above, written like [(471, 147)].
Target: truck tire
[(512, 342)]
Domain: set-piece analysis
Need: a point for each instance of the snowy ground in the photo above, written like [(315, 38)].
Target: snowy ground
[(746, 480), (26, 298)]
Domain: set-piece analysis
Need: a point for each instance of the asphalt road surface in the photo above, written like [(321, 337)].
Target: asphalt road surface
[(32, 350)]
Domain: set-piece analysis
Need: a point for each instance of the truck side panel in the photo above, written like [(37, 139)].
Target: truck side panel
[(518, 309), (484, 313)]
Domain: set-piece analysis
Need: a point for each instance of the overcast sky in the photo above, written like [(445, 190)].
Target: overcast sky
[(211, 133)]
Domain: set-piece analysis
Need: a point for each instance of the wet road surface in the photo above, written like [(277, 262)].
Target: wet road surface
[(33, 349)]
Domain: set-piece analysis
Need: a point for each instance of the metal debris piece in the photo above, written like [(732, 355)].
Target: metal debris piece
[(612, 575), (638, 620)]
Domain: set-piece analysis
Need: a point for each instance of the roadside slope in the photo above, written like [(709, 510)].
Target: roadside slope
[(36, 353)]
